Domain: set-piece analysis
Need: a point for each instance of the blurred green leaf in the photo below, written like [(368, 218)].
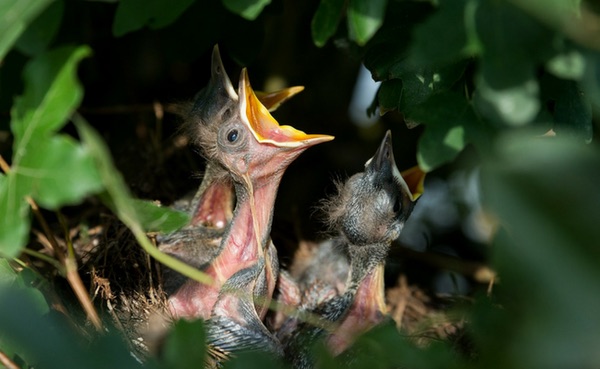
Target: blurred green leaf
[(364, 19), (515, 105), (544, 192), (569, 64), (590, 82), (132, 15), (42, 30), (252, 360), (185, 347), (155, 218), (513, 43), (249, 9), (15, 16), (52, 92), (326, 20), (46, 341), (572, 112)]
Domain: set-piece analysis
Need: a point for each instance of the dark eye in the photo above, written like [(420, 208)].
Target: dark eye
[(232, 136)]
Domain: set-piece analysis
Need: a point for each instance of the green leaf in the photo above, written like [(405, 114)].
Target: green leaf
[(42, 30), (40, 338), (450, 122), (569, 65), (443, 36), (389, 95), (15, 16), (573, 112), (60, 172), (52, 92), (155, 218), (14, 215), (248, 9), (185, 347), (364, 19), (7, 274), (544, 193), (515, 105), (326, 20), (132, 15)]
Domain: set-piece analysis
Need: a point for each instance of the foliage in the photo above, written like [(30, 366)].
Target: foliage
[(489, 74)]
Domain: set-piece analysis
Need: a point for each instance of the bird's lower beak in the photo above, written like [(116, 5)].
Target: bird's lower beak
[(265, 128), (414, 178)]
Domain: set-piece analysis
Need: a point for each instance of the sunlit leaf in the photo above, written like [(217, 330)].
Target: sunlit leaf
[(14, 214), (326, 20), (364, 19), (42, 30), (249, 9), (60, 171), (515, 105), (569, 65), (52, 92), (15, 16)]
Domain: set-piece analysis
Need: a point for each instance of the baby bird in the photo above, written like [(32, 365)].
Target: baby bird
[(211, 208), (255, 150), (369, 212)]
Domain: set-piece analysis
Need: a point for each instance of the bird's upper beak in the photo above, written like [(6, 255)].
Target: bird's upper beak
[(383, 162), (264, 127), (219, 80)]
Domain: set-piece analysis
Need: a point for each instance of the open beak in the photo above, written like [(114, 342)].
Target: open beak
[(265, 128), (383, 161)]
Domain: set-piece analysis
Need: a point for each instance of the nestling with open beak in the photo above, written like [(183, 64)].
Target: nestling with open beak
[(368, 212)]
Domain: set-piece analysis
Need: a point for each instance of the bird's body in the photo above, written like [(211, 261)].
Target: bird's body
[(253, 151), (211, 208), (369, 212)]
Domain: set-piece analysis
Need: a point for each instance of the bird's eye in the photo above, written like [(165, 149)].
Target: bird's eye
[(232, 135)]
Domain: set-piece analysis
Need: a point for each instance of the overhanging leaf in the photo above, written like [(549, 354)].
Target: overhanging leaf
[(249, 9), (364, 19), (15, 16), (326, 20), (42, 30), (132, 15), (14, 215)]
